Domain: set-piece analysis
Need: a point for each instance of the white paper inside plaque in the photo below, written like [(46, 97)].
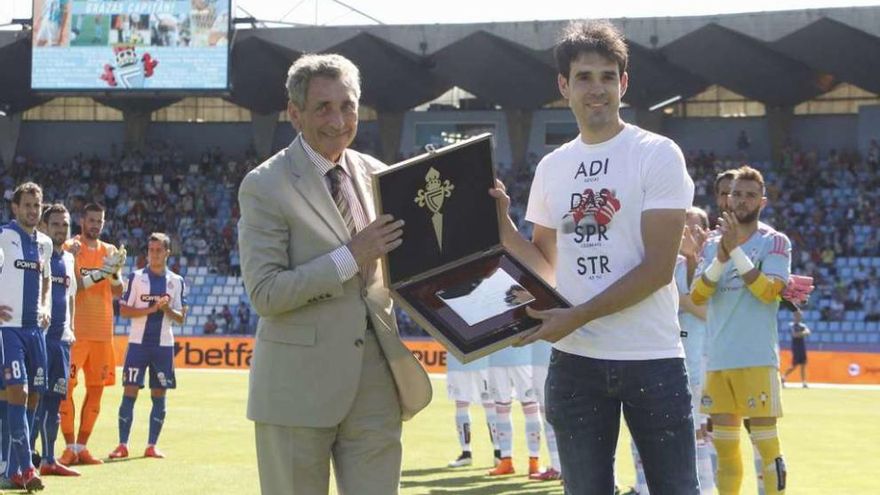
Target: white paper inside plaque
[(481, 299)]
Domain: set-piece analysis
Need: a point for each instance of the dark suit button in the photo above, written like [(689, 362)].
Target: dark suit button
[(359, 343)]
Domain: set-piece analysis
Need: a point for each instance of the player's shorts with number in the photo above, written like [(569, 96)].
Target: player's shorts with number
[(58, 359), (97, 360), (23, 355), (159, 359)]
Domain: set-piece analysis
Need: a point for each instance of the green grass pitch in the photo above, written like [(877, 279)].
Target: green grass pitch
[(831, 440)]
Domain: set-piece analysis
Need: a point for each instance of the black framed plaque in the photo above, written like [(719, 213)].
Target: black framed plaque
[(451, 274)]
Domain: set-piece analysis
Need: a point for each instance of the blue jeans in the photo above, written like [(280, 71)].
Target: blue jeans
[(584, 399)]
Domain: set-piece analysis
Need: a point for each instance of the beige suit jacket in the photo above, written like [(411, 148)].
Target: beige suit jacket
[(309, 343)]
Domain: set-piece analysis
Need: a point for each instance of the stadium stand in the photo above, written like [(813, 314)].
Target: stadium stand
[(776, 89), (156, 191), (826, 204)]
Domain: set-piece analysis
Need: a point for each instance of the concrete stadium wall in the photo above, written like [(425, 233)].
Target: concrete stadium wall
[(825, 132), (59, 141), (719, 135), (232, 138)]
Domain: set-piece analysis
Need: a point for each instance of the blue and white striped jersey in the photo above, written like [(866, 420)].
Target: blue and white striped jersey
[(25, 264), (145, 288), (63, 288)]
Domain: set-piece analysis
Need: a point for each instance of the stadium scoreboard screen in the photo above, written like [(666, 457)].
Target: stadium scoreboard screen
[(130, 45)]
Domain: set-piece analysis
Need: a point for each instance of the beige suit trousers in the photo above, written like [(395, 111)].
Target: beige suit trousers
[(365, 447)]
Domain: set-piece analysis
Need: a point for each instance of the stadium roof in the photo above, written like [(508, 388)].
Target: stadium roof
[(778, 58)]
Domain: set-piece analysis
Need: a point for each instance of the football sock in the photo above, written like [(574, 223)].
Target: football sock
[(533, 428), (766, 440), (504, 429), (126, 418), (704, 467), (489, 408), (68, 415), (19, 440), (157, 419), (90, 409), (49, 422), (550, 435), (463, 425), (730, 467), (4, 433)]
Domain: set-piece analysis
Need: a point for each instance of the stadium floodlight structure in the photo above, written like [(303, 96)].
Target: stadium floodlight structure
[(664, 103)]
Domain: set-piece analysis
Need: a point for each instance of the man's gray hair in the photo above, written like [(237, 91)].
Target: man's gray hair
[(329, 65)]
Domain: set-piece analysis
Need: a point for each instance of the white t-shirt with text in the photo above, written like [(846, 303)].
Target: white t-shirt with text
[(594, 197)]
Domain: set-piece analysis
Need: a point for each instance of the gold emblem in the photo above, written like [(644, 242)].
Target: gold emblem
[(432, 196)]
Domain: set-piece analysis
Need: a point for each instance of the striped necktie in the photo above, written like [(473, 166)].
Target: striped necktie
[(337, 175)]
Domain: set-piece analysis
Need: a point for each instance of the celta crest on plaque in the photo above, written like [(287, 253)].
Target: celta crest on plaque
[(432, 197)]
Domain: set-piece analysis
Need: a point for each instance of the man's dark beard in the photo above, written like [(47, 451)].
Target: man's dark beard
[(749, 217)]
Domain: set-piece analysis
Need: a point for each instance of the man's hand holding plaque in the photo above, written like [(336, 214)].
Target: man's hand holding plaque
[(379, 237)]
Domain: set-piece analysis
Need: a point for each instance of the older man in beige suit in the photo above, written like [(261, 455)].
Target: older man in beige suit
[(330, 378)]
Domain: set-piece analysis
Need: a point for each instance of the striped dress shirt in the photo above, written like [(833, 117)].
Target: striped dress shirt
[(346, 266)]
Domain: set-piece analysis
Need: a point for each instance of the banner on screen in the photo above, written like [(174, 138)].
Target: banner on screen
[(130, 45)]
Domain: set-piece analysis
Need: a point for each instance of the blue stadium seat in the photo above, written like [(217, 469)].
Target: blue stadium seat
[(834, 326), (862, 338), (859, 326), (846, 326), (850, 337), (825, 337), (822, 326), (837, 337)]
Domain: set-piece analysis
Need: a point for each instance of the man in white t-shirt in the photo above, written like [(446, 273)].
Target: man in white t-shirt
[(608, 210)]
